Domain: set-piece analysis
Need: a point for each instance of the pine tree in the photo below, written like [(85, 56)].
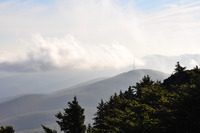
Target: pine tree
[(179, 68), (72, 120), (145, 82), (99, 125)]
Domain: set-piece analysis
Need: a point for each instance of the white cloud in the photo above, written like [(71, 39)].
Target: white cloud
[(90, 21), (173, 30), (54, 53)]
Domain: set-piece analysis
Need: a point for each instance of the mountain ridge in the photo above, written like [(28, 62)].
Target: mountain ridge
[(89, 95)]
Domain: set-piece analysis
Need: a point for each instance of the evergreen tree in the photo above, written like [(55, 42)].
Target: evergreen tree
[(72, 120), (179, 68), (99, 121), (7, 129), (145, 82)]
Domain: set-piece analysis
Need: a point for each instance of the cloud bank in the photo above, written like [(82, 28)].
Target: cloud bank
[(171, 28), (54, 53)]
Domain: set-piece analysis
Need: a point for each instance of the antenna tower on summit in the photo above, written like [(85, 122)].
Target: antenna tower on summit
[(133, 63)]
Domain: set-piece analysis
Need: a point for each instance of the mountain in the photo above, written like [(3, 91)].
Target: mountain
[(13, 84), (20, 83), (28, 112)]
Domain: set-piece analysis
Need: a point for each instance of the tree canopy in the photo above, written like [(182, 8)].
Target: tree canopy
[(72, 120), (154, 107), (6, 129)]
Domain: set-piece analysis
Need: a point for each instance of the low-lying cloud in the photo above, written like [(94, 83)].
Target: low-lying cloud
[(46, 54)]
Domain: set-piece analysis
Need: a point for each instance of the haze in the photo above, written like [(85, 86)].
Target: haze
[(78, 40)]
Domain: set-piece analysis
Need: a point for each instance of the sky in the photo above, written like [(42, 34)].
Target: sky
[(44, 35)]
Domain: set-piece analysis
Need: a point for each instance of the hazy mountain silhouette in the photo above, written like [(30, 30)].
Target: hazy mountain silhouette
[(13, 84), (30, 111)]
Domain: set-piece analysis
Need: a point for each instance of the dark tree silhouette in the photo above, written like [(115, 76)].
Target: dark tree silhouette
[(179, 68), (7, 129), (72, 120)]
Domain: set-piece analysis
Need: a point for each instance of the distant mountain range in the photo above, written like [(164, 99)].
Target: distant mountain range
[(18, 84), (13, 84), (26, 113)]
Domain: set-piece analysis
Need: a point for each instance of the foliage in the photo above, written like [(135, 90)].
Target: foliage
[(7, 129), (154, 107), (72, 120), (179, 68)]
